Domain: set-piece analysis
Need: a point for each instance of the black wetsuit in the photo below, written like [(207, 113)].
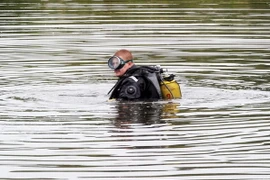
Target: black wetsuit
[(138, 83)]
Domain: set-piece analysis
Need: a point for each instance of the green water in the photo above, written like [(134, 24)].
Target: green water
[(56, 122)]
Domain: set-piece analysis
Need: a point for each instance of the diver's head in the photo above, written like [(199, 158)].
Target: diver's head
[(120, 62)]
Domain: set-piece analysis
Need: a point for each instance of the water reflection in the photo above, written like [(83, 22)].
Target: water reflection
[(145, 113), (55, 122)]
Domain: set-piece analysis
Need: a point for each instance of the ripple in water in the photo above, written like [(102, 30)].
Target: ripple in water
[(56, 121)]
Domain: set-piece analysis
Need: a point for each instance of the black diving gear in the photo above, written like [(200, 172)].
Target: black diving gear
[(145, 83), (138, 83), (116, 62)]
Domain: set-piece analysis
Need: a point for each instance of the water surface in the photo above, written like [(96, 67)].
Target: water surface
[(56, 121)]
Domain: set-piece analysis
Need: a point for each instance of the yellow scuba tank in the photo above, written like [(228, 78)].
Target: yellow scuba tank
[(170, 89)]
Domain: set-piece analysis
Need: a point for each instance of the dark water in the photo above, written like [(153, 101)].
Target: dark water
[(56, 122)]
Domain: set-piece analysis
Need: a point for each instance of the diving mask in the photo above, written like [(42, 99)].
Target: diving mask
[(116, 62)]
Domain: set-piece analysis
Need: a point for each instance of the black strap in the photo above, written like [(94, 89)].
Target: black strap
[(116, 84)]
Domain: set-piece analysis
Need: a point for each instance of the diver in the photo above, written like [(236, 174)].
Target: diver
[(139, 82)]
